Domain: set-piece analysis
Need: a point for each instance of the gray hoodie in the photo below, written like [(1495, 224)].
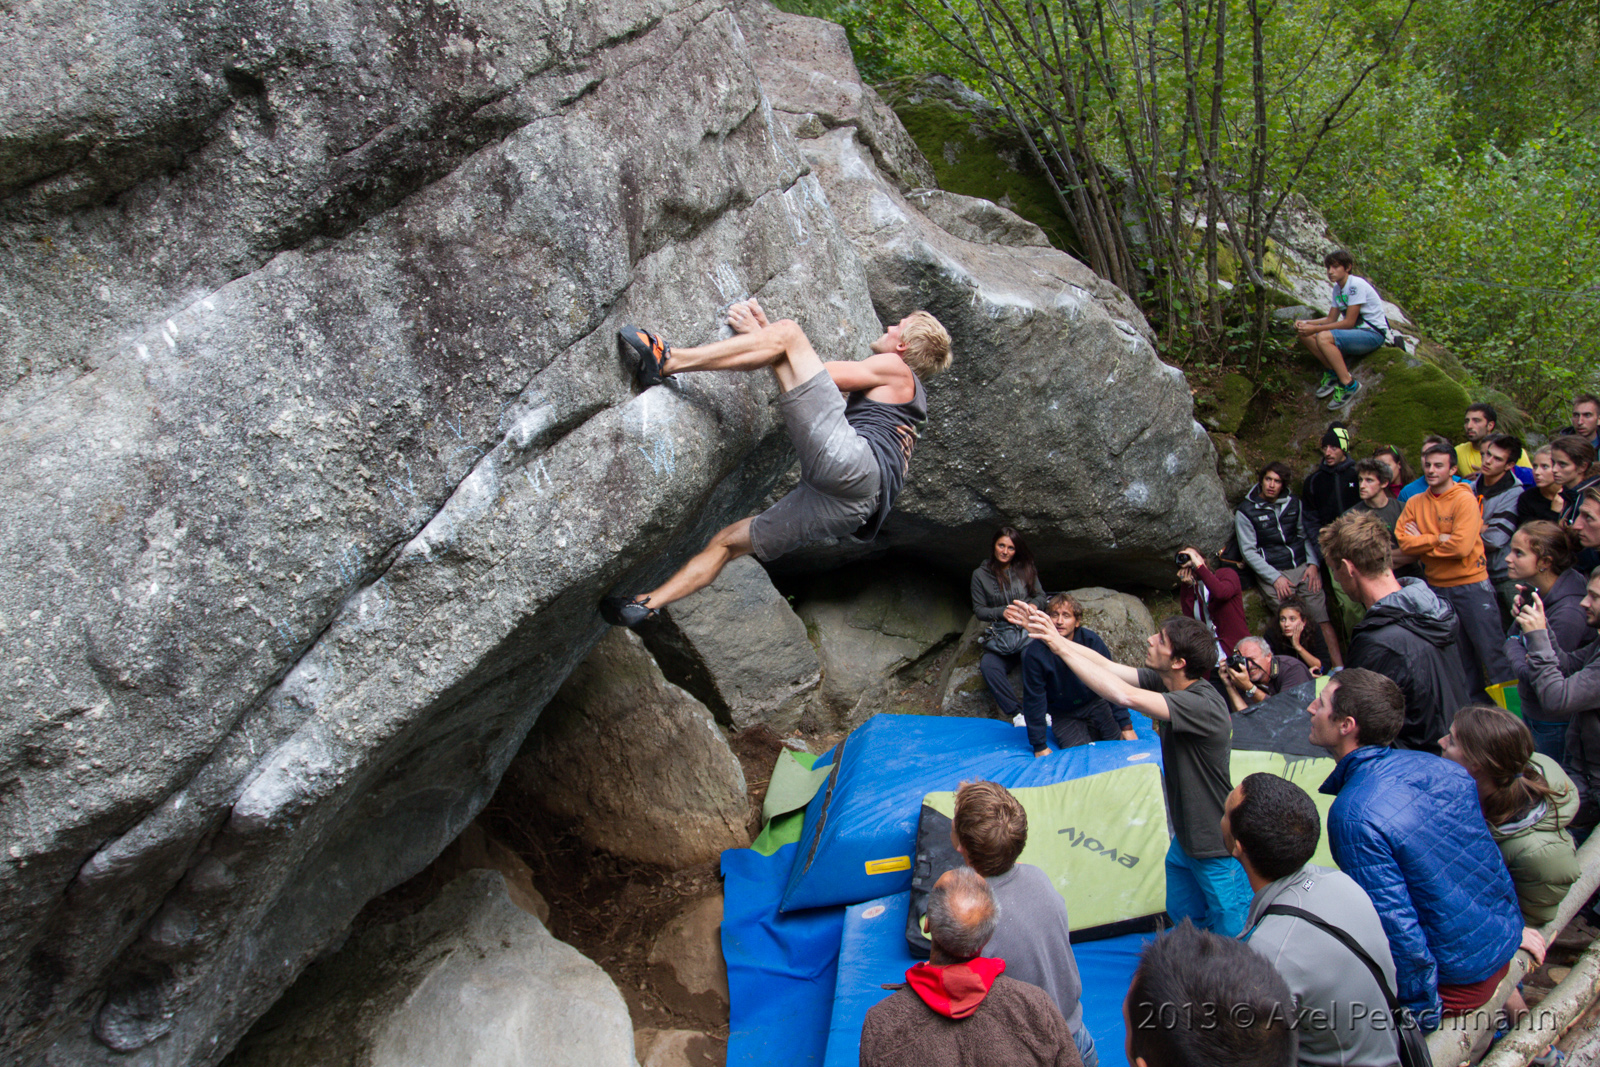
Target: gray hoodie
[(1344, 1016)]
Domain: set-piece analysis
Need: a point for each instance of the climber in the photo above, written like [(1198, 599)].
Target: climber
[(854, 454)]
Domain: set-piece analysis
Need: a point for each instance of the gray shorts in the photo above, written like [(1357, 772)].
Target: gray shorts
[(838, 474), (1316, 606)]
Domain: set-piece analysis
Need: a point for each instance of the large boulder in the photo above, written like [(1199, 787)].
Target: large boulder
[(686, 964), (739, 648), (319, 451), (637, 764), (877, 633), (1057, 417), (469, 981)]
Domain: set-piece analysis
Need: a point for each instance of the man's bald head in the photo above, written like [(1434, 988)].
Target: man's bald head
[(961, 914)]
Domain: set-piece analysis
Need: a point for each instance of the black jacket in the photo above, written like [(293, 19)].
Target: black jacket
[(1330, 491), (1410, 636), (1275, 530)]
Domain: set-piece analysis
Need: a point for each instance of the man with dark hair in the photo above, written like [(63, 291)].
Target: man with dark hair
[(853, 425), (1407, 827), (1200, 999), (1330, 489), (1077, 715), (1204, 883), (1585, 420), (1264, 675), (989, 830), (1587, 523), (1272, 828), (1568, 683), (1443, 527), (1478, 426), (1354, 325), (1407, 632), (1498, 491), (1276, 540), (958, 1009)]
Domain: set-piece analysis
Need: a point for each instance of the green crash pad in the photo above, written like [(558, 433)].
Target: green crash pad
[(1102, 839), (794, 782)]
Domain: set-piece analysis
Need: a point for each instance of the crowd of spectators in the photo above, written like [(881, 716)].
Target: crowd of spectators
[(1455, 821)]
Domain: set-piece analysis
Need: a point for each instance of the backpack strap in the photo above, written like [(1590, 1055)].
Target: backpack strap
[(1344, 939)]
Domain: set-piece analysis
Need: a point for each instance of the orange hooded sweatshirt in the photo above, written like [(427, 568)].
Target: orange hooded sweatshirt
[(1458, 561)]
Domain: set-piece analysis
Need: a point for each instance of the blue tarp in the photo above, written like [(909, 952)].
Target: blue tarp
[(782, 969), (860, 829), (873, 951)]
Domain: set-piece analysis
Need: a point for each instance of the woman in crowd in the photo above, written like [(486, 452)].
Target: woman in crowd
[(1541, 501), (1539, 560), (1294, 638), (1400, 471), (1008, 574), (1572, 459), (1527, 800)]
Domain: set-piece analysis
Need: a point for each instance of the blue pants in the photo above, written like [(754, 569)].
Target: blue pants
[(1549, 738), (1213, 893)]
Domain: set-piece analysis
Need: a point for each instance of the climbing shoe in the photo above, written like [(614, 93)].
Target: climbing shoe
[(626, 611), (649, 350), (1330, 382), (1343, 394)]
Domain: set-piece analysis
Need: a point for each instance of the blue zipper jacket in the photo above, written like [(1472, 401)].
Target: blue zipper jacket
[(1408, 828)]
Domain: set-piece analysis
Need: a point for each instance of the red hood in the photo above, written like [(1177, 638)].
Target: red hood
[(955, 990)]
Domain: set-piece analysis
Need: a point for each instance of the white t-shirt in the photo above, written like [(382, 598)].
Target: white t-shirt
[(1360, 291)]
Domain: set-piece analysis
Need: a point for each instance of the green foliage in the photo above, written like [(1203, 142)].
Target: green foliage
[(1498, 257)]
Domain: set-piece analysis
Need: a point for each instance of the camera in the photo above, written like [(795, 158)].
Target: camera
[(1182, 558), (1237, 661)]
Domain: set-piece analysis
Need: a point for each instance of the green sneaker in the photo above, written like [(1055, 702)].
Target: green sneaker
[(1330, 382), (1343, 394)]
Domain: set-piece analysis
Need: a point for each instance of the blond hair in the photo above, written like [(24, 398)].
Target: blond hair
[(927, 345), (1359, 538)]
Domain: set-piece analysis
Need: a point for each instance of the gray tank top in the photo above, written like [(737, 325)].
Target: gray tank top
[(892, 431)]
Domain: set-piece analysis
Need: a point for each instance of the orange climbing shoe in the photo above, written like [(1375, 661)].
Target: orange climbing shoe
[(651, 352)]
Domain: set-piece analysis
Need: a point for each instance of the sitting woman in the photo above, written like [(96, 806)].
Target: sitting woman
[(1294, 638), (1008, 574), (1527, 800), (1541, 501), (1539, 560)]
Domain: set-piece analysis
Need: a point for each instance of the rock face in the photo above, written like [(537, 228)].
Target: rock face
[(876, 633), (469, 981), (1056, 416), (318, 451), (739, 648), (636, 762), (686, 963)]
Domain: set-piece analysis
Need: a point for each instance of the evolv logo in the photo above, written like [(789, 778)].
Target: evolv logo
[(1079, 839)]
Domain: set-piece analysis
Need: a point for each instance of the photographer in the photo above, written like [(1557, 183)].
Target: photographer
[(1214, 597), (1253, 673)]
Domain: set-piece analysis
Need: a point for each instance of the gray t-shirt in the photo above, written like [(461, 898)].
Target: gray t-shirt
[(1360, 291), (1195, 749), (1031, 936)]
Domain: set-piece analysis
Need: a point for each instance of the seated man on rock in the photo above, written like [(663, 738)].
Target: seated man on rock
[(958, 1009), (990, 830), (1253, 673), (852, 423), (1078, 714)]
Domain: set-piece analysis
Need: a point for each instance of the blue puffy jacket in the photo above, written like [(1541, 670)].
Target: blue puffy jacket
[(1408, 828)]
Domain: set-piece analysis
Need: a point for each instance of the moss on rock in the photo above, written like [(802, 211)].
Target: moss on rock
[(1416, 397), (1224, 411), (975, 151)]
